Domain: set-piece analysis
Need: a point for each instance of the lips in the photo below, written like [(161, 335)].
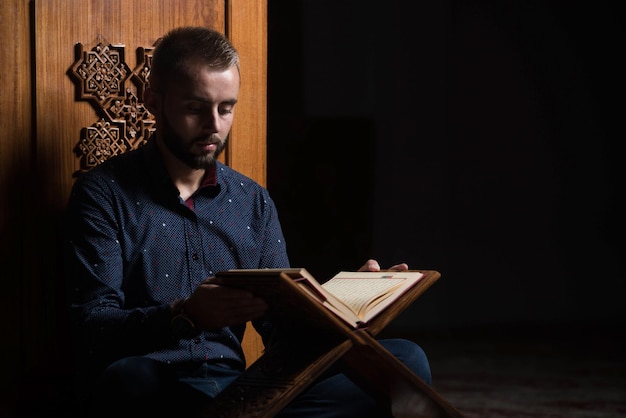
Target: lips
[(207, 146)]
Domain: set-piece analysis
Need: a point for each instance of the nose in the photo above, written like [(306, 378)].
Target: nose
[(211, 121)]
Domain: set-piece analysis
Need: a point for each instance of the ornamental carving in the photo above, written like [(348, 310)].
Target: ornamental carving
[(115, 92)]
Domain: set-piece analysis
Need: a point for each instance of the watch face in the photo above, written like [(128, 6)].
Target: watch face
[(182, 327)]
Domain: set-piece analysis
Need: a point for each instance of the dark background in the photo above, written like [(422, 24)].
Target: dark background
[(481, 139)]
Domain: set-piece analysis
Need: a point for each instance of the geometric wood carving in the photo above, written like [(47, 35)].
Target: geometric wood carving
[(101, 72), (99, 142), (104, 79)]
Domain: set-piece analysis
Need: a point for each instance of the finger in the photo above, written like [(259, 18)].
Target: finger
[(210, 280), (221, 292), (399, 267), (370, 265), (245, 312)]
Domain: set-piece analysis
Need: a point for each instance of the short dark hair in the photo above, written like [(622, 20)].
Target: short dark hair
[(178, 46)]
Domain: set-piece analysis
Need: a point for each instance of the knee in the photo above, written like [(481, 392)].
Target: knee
[(130, 377), (411, 354)]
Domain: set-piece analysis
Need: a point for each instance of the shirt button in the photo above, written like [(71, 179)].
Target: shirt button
[(195, 256), (197, 340)]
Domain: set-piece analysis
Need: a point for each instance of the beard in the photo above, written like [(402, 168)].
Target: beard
[(182, 149)]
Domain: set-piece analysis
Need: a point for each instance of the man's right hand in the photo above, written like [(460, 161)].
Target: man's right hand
[(212, 306)]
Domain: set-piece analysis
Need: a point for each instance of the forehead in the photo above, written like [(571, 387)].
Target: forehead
[(197, 65), (203, 78)]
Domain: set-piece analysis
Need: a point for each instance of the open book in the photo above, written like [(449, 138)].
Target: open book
[(354, 297)]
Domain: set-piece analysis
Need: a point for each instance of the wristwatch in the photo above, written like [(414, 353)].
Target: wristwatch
[(182, 326)]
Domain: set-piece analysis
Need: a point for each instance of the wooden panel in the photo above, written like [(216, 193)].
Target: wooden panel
[(15, 146), (247, 28)]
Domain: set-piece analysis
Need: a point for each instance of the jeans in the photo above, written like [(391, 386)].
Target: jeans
[(143, 387)]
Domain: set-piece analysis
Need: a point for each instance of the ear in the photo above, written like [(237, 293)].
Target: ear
[(151, 100)]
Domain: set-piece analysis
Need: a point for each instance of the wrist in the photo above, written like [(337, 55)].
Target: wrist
[(177, 307), (181, 325)]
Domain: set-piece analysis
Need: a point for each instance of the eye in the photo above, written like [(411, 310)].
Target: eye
[(226, 109), (194, 107)]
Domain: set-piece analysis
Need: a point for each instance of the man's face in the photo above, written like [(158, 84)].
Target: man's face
[(195, 115)]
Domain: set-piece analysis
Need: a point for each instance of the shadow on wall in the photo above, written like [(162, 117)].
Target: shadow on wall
[(521, 180), (321, 179)]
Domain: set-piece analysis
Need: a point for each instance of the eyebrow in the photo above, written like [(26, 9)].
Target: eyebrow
[(231, 102)]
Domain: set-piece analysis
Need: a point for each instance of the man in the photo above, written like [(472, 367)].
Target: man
[(148, 230)]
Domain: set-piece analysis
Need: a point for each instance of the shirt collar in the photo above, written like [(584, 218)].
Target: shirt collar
[(163, 187), (210, 177)]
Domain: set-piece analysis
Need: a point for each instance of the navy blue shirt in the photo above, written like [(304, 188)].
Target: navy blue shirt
[(134, 247)]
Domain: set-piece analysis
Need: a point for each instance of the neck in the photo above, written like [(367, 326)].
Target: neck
[(186, 179)]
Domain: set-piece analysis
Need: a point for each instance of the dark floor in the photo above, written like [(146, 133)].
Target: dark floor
[(558, 371)]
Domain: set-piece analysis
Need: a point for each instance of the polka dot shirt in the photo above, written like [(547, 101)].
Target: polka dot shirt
[(134, 247)]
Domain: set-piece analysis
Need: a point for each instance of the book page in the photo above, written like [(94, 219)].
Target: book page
[(358, 294), (333, 304), (369, 293)]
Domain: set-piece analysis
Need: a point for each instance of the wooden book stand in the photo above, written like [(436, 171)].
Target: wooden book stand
[(285, 370)]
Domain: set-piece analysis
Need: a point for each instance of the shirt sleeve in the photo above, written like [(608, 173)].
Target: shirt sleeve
[(94, 270)]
